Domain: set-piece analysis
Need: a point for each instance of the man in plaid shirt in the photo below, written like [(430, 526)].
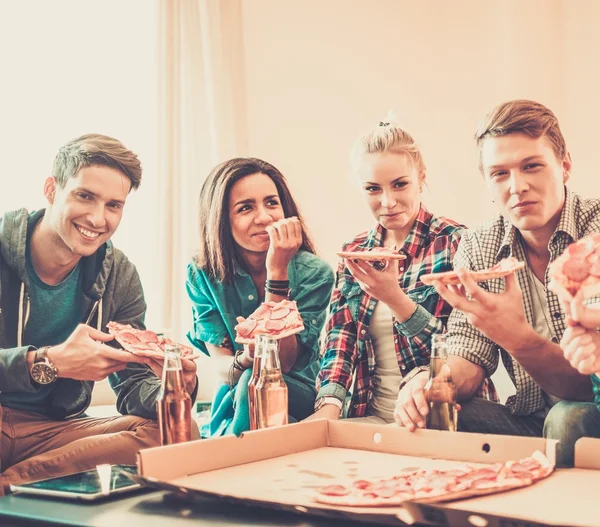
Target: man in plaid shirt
[(525, 163)]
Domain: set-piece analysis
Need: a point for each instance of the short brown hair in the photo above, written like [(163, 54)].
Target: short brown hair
[(522, 116), (98, 150), (218, 253)]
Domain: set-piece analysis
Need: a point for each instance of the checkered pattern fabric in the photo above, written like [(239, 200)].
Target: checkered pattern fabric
[(348, 361), (483, 247)]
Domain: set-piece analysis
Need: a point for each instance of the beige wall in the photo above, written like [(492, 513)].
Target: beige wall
[(318, 74)]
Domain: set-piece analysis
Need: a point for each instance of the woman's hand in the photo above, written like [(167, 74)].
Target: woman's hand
[(380, 284), (286, 239)]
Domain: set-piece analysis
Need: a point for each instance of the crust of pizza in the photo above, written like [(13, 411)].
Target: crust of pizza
[(370, 256), (451, 277)]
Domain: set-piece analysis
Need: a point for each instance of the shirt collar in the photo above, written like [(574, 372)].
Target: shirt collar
[(415, 239), (567, 224)]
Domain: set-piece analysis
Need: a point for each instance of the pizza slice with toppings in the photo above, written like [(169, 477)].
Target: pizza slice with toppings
[(144, 341), (504, 267), (276, 319), (431, 485), (376, 254), (577, 268)]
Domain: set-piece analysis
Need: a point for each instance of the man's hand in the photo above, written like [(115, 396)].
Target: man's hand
[(500, 317), (327, 411), (582, 349), (412, 406), (84, 357), (189, 372), (286, 239)]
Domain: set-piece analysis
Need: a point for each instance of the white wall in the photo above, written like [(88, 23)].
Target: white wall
[(70, 67)]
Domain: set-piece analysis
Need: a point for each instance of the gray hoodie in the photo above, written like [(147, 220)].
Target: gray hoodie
[(112, 291)]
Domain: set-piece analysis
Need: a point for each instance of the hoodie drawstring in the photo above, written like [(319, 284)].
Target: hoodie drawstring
[(99, 321), (20, 323)]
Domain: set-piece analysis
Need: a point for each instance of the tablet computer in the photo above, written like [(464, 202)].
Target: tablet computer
[(103, 482)]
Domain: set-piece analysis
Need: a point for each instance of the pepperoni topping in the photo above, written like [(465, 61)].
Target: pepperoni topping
[(576, 270), (280, 313), (362, 484), (245, 328), (275, 325), (335, 490)]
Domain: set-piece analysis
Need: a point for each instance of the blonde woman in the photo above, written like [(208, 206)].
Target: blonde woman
[(381, 321)]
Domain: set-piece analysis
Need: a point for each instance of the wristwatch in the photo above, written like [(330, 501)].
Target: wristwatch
[(43, 371)]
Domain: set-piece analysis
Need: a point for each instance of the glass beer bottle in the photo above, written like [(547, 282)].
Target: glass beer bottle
[(173, 404), (440, 391), (271, 390), (252, 386)]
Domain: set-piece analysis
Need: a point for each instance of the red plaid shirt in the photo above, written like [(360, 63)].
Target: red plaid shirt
[(348, 361)]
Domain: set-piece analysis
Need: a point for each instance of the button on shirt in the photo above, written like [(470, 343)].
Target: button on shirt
[(483, 247)]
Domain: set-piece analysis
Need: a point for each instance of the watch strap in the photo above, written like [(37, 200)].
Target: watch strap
[(41, 354)]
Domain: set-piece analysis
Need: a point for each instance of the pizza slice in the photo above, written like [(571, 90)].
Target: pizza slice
[(577, 268), (145, 342), (431, 485), (504, 267), (376, 254), (276, 319)]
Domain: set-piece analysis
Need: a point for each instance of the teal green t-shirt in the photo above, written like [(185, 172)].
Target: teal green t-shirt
[(54, 313)]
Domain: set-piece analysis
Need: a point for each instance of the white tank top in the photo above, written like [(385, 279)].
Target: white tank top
[(387, 377)]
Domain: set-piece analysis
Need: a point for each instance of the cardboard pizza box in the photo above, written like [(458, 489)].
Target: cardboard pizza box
[(566, 498), (280, 468)]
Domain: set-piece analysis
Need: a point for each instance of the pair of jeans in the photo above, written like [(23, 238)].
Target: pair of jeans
[(34, 446), (301, 402), (567, 421)]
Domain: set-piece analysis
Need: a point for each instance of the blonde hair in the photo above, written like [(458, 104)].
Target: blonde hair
[(522, 116), (96, 150), (387, 136)]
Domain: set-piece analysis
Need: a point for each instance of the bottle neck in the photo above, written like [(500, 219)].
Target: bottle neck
[(172, 375), (439, 358), (268, 355)]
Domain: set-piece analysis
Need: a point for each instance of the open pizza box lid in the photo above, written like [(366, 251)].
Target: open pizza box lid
[(281, 468)]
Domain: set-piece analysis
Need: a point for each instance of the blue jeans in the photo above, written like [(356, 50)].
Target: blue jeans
[(567, 421), (301, 402)]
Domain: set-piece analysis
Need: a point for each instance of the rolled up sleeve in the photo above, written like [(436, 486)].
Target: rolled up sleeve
[(208, 325)]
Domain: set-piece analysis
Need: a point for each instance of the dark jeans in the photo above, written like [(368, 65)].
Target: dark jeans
[(567, 421), (301, 402)]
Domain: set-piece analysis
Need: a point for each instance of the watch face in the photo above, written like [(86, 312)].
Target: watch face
[(43, 373)]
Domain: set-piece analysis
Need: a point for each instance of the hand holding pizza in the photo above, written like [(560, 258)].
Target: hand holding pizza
[(582, 349), (381, 284), (500, 317), (286, 239)]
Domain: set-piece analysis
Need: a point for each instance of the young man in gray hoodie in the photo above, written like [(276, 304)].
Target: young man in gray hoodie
[(61, 282)]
